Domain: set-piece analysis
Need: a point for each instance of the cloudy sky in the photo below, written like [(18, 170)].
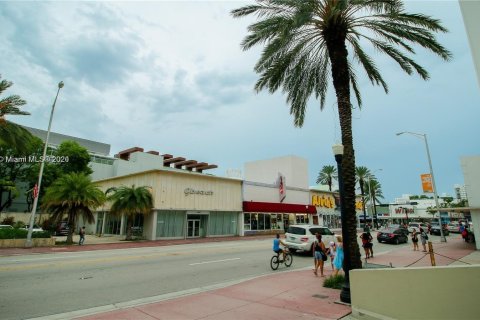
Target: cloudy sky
[(171, 76)]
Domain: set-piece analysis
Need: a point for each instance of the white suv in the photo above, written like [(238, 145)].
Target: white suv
[(300, 237)]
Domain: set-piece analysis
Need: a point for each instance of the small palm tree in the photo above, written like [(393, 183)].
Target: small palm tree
[(73, 195), (374, 192), (305, 42), (361, 174), (326, 176), (11, 134), (130, 201)]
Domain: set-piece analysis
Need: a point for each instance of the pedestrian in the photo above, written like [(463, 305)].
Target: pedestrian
[(423, 238), (338, 261), (331, 252), (319, 254), (82, 236), (367, 244), (415, 239)]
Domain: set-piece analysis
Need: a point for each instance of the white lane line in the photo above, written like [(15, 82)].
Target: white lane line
[(214, 261)]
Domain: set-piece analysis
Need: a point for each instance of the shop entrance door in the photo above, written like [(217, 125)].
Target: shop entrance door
[(193, 228)]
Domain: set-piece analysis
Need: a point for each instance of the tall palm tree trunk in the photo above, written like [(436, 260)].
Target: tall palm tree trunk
[(341, 81)]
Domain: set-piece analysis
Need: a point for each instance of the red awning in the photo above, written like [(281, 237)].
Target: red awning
[(250, 206)]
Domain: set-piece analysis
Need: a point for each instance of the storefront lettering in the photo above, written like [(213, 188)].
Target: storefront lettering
[(188, 191), (322, 201), (359, 205)]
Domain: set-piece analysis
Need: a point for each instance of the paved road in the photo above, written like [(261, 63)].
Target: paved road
[(44, 284), (38, 285)]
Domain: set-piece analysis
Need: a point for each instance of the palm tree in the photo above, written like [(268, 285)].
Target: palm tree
[(361, 174), (307, 40), (326, 176), (73, 195), (131, 201), (11, 134), (374, 193)]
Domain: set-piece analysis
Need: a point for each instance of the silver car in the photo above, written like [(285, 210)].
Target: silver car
[(300, 237)]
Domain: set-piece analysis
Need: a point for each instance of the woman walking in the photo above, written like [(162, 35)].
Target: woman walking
[(338, 261), (415, 240), (319, 255)]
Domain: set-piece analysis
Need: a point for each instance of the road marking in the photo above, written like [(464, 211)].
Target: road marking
[(214, 261)]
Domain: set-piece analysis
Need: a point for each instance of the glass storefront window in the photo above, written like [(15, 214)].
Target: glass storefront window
[(254, 221), (268, 225), (261, 221), (246, 221)]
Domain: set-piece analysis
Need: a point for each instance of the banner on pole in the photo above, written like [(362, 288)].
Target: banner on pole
[(427, 183)]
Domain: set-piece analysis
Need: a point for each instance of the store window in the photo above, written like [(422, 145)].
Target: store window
[(254, 221), (246, 221)]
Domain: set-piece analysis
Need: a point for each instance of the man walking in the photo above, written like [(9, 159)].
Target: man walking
[(82, 236)]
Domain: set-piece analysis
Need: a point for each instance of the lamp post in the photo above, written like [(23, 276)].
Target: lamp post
[(28, 243), (424, 136), (345, 293)]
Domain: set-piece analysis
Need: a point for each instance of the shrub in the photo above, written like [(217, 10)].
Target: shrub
[(22, 234), (334, 282), (8, 220), (19, 224)]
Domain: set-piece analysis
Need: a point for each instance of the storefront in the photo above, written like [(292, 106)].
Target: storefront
[(186, 205), (272, 218), (276, 195), (327, 204)]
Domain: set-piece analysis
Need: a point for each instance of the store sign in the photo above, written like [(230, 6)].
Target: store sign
[(401, 210), (188, 191), (323, 201), (359, 205)]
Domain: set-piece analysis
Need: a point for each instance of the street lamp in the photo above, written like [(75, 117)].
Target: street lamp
[(372, 197), (345, 293), (28, 243), (424, 136)]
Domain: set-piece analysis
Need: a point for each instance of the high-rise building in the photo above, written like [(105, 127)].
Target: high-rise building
[(460, 192)]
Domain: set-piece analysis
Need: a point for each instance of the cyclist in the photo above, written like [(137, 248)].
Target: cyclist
[(276, 246)]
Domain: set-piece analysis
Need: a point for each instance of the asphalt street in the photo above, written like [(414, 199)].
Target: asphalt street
[(45, 284)]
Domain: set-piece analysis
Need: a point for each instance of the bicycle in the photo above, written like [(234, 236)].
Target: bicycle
[(275, 261)]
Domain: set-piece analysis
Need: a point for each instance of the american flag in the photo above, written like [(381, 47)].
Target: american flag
[(35, 191)]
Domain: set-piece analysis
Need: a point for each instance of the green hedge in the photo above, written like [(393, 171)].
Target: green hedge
[(22, 234)]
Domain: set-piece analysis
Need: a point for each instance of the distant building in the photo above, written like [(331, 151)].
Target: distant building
[(99, 152), (460, 192)]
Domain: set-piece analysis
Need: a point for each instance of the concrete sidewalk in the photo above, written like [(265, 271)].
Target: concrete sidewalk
[(283, 295)]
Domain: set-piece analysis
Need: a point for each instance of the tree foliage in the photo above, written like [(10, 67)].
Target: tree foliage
[(130, 201), (73, 195), (327, 175)]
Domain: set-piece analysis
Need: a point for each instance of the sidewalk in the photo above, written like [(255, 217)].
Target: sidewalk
[(283, 295)]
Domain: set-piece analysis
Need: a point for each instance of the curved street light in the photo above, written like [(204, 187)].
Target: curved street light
[(424, 136), (28, 243)]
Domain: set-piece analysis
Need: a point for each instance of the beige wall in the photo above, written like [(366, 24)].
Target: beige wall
[(169, 190), (416, 293)]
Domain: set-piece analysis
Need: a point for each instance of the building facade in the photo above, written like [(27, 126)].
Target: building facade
[(276, 195), (187, 204)]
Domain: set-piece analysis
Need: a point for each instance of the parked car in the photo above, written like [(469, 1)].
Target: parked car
[(453, 227), (62, 229), (416, 226), (435, 230), (393, 235), (35, 228), (300, 237)]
